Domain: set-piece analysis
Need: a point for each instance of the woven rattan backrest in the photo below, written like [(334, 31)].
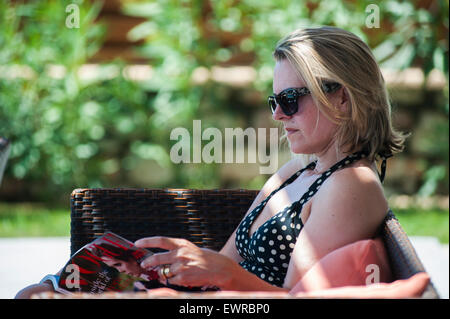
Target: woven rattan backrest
[(205, 217)]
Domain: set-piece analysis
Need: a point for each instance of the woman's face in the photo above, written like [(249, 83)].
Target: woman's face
[(130, 267), (308, 131)]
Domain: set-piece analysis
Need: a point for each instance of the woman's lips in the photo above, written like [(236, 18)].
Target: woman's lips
[(290, 131)]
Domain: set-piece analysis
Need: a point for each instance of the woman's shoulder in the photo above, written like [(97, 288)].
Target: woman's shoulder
[(363, 175), (354, 188)]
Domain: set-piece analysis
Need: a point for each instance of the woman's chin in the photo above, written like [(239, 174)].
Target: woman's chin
[(297, 150), (296, 147)]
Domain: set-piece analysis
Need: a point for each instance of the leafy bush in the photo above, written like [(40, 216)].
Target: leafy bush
[(70, 132), (66, 131), (193, 35)]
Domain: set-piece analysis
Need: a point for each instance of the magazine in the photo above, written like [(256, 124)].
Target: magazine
[(109, 263)]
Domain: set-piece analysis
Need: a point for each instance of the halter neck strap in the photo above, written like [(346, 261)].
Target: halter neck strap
[(382, 172)]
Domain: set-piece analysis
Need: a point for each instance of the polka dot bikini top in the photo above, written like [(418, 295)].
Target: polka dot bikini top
[(268, 251)]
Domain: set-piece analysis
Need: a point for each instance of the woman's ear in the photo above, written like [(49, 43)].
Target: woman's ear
[(342, 100)]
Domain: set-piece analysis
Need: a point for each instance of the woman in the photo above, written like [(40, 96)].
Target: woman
[(330, 96)]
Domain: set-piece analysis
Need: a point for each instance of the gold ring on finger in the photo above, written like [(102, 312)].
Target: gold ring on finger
[(166, 272)]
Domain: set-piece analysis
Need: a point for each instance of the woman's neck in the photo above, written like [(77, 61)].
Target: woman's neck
[(327, 158)]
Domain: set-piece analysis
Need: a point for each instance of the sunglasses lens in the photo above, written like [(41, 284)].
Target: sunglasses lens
[(290, 106), (288, 101)]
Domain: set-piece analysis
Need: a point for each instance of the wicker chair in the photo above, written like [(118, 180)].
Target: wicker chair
[(205, 217)]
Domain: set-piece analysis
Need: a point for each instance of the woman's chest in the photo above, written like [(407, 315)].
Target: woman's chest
[(280, 206)]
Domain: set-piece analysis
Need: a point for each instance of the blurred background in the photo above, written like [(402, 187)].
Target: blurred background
[(94, 105)]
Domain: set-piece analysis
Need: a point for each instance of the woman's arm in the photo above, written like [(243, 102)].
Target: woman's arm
[(193, 266), (349, 207), (29, 291)]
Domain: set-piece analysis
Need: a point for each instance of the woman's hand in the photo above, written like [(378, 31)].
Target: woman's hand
[(189, 265)]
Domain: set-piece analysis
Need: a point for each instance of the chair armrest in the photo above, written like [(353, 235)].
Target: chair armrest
[(403, 258)]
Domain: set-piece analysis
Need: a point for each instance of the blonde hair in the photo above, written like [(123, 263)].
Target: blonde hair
[(332, 54)]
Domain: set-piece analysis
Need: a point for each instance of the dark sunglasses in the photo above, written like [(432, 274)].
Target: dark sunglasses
[(288, 99)]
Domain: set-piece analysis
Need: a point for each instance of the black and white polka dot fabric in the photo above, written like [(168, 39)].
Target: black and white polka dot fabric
[(268, 251)]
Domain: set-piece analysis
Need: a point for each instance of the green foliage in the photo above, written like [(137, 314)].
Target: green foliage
[(207, 33), (419, 37), (432, 178), (201, 34), (70, 132), (66, 131)]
